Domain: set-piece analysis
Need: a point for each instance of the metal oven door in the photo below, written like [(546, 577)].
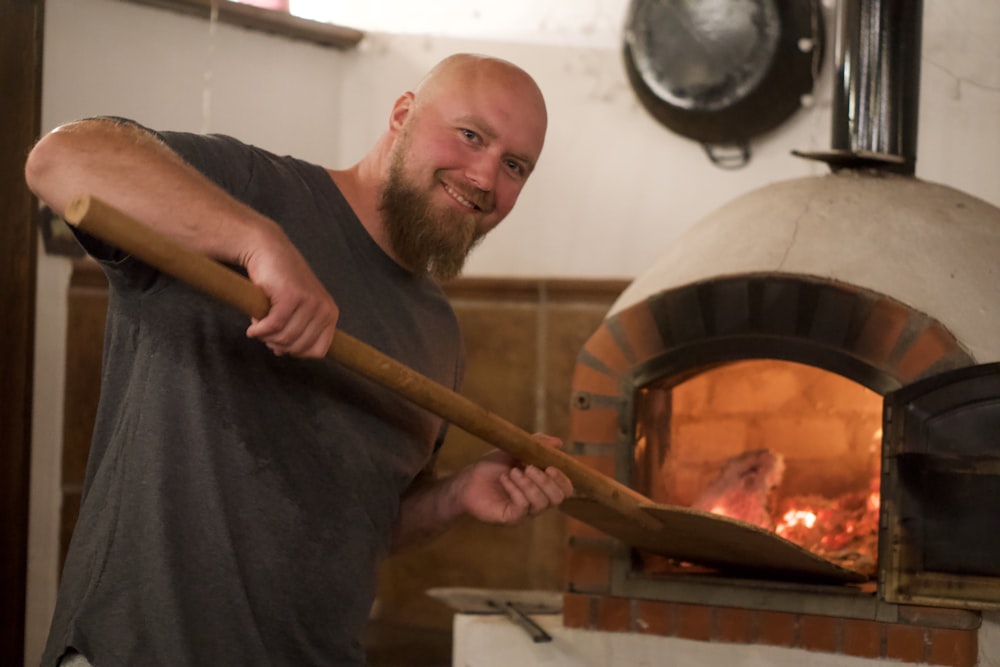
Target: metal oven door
[(940, 514)]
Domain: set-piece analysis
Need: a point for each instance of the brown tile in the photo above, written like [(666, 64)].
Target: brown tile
[(603, 291), (955, 648), (862, 638), (614, 614), (471, 554), (906, 642), (86, 309), (733, 625), (545, 551), (501, 372), (507, 290), (653, 617), (776, 628), (818, 633), (695, 621), (577, 528), (579, 611)]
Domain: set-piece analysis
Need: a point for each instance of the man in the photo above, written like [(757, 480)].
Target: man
[(239, 495)]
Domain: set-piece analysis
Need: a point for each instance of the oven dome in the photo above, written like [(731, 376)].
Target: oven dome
[(926, 245)]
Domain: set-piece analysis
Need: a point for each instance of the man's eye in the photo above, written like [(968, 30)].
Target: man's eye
[(469, 134), (515, 167)]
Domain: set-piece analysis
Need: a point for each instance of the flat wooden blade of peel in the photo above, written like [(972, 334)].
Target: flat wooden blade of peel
[(103, 221)]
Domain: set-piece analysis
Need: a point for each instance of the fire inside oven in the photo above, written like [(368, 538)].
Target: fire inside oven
[(785, 446), (820, 418)]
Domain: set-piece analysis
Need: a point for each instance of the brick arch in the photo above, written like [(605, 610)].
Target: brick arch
[(860, 334)]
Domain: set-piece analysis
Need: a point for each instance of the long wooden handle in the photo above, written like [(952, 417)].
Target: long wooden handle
[(103, 221)]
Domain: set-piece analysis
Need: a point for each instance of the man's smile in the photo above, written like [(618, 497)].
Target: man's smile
[(467, 200)]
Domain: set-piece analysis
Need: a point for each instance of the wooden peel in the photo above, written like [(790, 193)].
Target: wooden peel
[(103, 221), (677, 532)]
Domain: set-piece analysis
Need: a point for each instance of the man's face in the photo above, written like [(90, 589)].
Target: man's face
[(424, 234), (459, 162)]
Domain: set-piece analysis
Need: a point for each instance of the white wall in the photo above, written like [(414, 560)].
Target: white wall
[(612, 190), (171, 72)]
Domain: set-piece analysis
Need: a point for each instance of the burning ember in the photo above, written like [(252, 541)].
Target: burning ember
[(843, 530), (783, 446)]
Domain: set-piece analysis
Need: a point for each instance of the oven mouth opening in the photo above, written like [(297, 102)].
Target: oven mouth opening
[(646, 377), (787, 447)]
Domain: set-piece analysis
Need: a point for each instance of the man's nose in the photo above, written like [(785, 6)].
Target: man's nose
[(482, 172)]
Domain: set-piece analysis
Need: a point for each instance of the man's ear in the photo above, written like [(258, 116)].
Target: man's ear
[(400, 111)]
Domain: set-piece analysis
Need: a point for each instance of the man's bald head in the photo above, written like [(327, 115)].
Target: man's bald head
[(464, 69), (463, 72)]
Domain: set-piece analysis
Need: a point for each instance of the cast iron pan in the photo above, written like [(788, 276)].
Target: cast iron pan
[(723, 71)]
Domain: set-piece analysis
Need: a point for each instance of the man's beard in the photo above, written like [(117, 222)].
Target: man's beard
[(424, 237)]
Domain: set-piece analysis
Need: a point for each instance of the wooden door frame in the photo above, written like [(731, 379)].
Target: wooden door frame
[(21, 32)]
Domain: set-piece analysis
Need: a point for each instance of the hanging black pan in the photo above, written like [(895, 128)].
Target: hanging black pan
[(723, 71)]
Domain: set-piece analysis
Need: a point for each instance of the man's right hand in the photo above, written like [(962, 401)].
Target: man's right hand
[(303, 315)]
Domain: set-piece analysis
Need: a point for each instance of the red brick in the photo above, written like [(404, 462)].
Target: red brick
[(733, 625), (655, 618), (594, 381), (603, 347), (906, 642), (602, 464), (881, 331), (776, 628), (614, 614), (595, 425), (862, 638), (578, 610), (695, 621), (639, 329), (933, 344), (955, 648), (819, 633), (588, 570)]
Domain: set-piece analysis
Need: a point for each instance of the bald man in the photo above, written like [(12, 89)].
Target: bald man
[(241, 491)]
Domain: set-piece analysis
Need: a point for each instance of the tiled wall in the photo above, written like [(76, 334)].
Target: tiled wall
[(522, 337)]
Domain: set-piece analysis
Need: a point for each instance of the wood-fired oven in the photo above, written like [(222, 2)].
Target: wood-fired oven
[(818, 358)]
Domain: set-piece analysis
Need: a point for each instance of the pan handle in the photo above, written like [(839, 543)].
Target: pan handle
[(101, 220)]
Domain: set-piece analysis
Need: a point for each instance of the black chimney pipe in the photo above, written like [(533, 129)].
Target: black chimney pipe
[(876, 92), (877, 88)]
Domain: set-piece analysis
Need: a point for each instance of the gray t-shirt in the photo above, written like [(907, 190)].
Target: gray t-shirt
[(236, 504)]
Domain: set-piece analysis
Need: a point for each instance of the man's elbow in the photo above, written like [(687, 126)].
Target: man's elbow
[(38, 166), (48, 168)]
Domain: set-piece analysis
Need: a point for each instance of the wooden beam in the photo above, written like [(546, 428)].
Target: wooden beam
[(21, 27), (266, 20)]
